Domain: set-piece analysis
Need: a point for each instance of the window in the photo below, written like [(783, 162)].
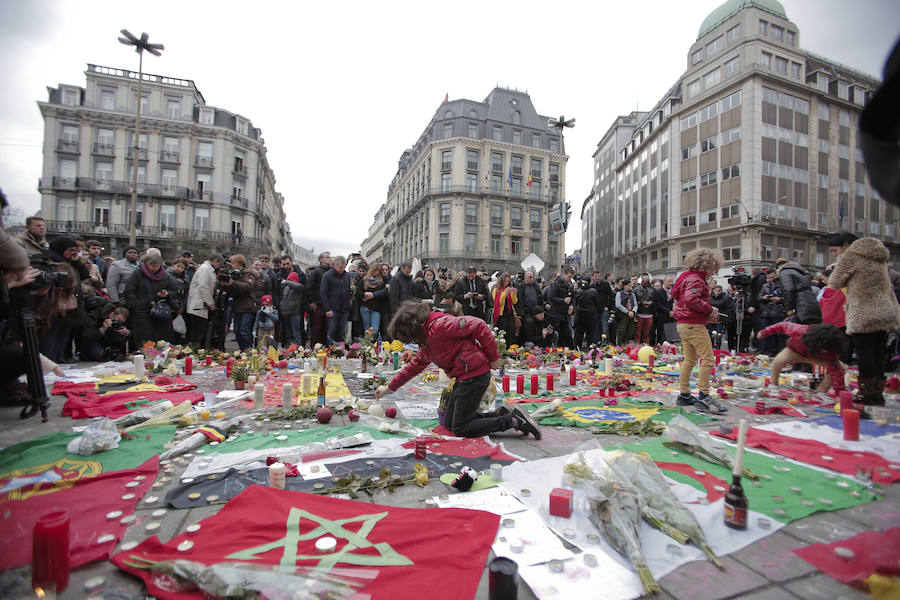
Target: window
[(497, 133), (785, 212), (496, 214), (473, 130), (689, 121), (801, 175), (173, 108), (790, 37), (844, 118), (769, 169), (859, 95), (68, 170), (824, 113), (535, 140), (201, 219), (515, 245), (781, 65), (496, 183), (777, 33), (801, 106), (785, 172), (471, 159), (731, 101), (708, 178), (535, 219), (207, 116), (517, 136), (170, 148), (448, 130), (516, 117), (708, 144), (823, 181), (730, 212), (103, 171), (843, 90), (516, 164), (796, 70), (101, 213), (693, 88), (802, 140), (108, 98), (731, 135), (688, 151), (689, 184), (470, 244), (769, 131), (554, 173), (844, 151), (444, 243), (65, 210), (823, 146), (709, 112), (770, 96), (708, 216), (515, 217), (105, 140), (496, 245), (766, 59), (69, 134), (167, 216), (732, 66), (715, 45), (785, 135), (554, 144), (822, 82), (446, 160), (471, 213), (446, 182), (444, 214), (712, 78), (536, 165), (860, 189), (731, 171), (697, 56), (204, 185), (734, 33), (763, 25), (471, 182), (70, 97), (689, 220), (241, 126)]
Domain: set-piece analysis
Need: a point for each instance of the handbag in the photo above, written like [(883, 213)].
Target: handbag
[(179, 326), (159, 309), (517, 320)]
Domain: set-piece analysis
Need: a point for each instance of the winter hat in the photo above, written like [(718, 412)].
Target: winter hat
[(292, 276), (266, 300)]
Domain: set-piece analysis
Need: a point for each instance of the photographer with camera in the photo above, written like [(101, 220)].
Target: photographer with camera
[(724, 304), (799, 298), (241, 285), (150, 298), (771, 306)]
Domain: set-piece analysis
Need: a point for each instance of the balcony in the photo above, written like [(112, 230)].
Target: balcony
[(151, 232), (534, 193), (101, 149), (201, 195), (142, 153), (238, 201), (481, 256), (239, 171), (101, 184), (57, 183), (204, 162), (170, 156), (68, 146)]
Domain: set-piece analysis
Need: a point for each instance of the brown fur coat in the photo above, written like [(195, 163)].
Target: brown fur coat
[(871, 304)]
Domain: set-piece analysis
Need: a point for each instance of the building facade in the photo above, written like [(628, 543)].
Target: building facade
[(204, 181), (477, 188), (753, 152)]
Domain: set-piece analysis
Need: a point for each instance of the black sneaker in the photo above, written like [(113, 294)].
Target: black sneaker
[(525, 423), (685, 400), (503, 410)]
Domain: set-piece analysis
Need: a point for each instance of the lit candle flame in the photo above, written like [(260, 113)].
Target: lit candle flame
[(39, 592)]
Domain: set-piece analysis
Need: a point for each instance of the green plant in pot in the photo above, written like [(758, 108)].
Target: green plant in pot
[(239, 373)]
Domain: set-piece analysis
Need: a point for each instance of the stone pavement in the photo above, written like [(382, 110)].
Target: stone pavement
[(766, 569)]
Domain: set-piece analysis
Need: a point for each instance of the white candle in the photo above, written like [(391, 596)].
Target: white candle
[(608, 366), (287, 393), (139, 367), (742, 438), (259, 395), (276, 475)]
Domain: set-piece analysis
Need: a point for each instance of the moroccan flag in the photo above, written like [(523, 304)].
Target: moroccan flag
[(409, 550), (118, 395), (529, 180)]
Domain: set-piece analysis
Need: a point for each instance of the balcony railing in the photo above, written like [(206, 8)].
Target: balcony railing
[(238, 201), (170, 156), (151, 232), (101, 149), (534, 192), (202, 195), (203, 161), (239, 170), (142, 153), (478, 255), (57, 183), (69, 146)]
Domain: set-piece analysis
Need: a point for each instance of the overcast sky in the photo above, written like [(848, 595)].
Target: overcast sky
[(340, 89)]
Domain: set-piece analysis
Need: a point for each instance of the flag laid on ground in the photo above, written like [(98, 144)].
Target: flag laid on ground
[(785, 491), (86, 499), (409, 549), (587, 413), (118, 395), (873, 552), (820, 454)]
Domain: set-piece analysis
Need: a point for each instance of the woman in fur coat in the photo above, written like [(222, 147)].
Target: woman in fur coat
[(872, 311)]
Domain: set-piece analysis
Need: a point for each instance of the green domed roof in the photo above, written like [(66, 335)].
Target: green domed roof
[(732, 7)]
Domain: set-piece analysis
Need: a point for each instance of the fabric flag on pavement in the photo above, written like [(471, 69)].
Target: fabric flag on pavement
[(335, 387), (820, 454), (785, 410), (873, 552), (118, 395), (586, 413), (410, 550), (87, 500), (785, 491)]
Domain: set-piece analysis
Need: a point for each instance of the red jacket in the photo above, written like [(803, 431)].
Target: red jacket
[(832, 303), (691, 295), (795, 332), (464, 347)]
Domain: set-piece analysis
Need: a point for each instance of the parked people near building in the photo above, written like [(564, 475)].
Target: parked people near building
[(505, 311), (693, 311), (799, 298), (201, 302), (119, 272), (723, 303), (605, 304), (771, 306), (663, 305), (471, 292), (94, 248), (644, 294), (531, 307), (315, 314), (872, 311), (560, 298), (244, 307), (335, 297), (426, 286), (465, 349), (374, 295), (587, 307), (292, 321), (626, 305), (146, 286), (401, 288), (178, 273)]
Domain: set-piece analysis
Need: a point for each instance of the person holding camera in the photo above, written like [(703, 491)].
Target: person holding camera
[(470, 291), (724, 304), (114, 333), (150, 298), (242, 286), (771, 307), (799, 298)]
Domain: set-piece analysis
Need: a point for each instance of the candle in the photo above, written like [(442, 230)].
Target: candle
[(651, 360), (287, 392), (608, 366), (259, 395), (520, 383), (506, 384), (611, 392), (742, 439), (50, 551), (204, 415), (846, 400), (251, 380), (276, 475), (572, 376), (549, 382), (188, 366), (534, 384), (851, 424), (138, 367), (228, 364), (421, 448)]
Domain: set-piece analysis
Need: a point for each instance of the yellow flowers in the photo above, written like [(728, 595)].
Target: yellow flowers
[(421, 475), (396, 346)]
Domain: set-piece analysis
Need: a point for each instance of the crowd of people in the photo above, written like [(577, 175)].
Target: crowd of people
[(105, 308)]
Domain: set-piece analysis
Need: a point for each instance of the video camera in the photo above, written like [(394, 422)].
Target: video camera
[(740, 281), (226, 274)]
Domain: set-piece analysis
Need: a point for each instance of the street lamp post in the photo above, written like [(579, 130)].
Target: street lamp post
[(561, 123), (140, 44)]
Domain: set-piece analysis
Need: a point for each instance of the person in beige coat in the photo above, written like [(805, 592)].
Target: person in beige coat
[(200, 301), (872, 311)]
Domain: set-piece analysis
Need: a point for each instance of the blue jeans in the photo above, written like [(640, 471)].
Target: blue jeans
[(290, 330), (602, 326), (336, 327), (370, 318), (243, 329)]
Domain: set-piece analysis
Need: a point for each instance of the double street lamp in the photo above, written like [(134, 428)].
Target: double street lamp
[(140, 44)]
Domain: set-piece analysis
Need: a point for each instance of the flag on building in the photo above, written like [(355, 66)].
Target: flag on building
[(529, 180), (509, 177), (841, 209)]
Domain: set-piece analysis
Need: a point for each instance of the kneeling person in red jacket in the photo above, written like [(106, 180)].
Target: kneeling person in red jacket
[(820, 345), (464, 348)]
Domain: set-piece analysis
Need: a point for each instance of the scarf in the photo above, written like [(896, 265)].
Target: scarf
[(502, 300), (152, 276)]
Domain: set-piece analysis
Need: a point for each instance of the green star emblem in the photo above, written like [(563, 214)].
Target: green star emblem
[(387, 556)]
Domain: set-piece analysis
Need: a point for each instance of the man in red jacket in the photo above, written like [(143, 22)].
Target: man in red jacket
[(464, 348)]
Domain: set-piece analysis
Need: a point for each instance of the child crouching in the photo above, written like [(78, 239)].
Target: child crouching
[(820, 345)]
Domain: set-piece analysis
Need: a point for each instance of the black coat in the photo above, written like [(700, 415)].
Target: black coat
[(462, 288), (140, 293), (798, 294), (527, 307), (663, 303), (606, 297), (401, 289), (422, 291), (559, 290)]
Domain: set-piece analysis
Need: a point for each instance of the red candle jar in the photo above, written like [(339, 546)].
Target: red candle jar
[(549, 382), (50, 552), (228, 364), (421, 448), (520, 383), (506, 384), (651, 360), (761, 407), (766, 382), (572, 376), (851, 424), (611, 392), (602, 392), (188, 365), (534, 384), (846, 400)]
